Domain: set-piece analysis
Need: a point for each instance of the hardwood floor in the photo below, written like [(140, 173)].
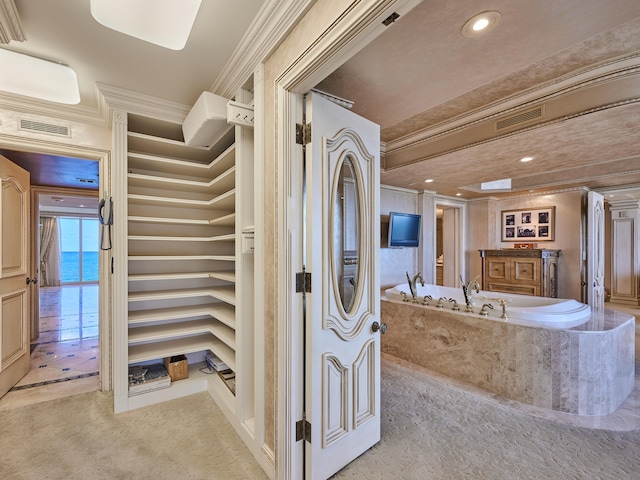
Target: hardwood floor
[(65, 357)]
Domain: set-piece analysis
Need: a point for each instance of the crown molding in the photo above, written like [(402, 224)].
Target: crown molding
[(587, 77), (10, 24), (72, 113), (117, 98), (273, 22)]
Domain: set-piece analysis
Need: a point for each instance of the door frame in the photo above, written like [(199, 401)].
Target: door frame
[(103, 157), (352, 31), (36, 191), (458, 233)]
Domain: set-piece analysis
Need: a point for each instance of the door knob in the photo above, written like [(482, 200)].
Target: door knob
[(379, 326), (31, 280)]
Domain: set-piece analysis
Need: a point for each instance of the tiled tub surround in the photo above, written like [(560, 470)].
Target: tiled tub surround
[(586, 369)]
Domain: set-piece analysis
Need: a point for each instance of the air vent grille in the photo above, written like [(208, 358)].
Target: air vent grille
[(47, 128), (522, 117)]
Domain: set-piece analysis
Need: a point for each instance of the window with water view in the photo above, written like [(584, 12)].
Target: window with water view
[(79, 245)]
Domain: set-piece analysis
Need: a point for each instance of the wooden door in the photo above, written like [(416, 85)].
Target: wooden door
[(595, 251), (14, 281), (342, 340)]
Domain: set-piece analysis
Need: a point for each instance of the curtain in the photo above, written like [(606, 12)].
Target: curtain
[(49, 252)]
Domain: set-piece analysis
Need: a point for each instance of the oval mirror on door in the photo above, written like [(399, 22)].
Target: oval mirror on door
[(346, 235)]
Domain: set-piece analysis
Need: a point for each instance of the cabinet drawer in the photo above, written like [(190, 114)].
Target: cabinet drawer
[(498, 269), (525, 271), (519, 289)]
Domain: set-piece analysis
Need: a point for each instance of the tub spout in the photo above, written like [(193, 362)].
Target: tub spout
[(412, 285), (468, 289)]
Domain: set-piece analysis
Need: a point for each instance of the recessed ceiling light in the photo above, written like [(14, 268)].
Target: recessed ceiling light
[(526, 159), (458, 194), (57, 199), (162, 22), (38, 78), (428, 180), (81, 206), (480, 24)]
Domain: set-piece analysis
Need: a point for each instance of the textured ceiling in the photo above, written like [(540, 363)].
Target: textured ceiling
[(64, 31), (434, 92), (430, 89)]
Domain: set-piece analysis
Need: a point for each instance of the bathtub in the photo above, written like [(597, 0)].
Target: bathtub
[(551, 353), (521, 309)]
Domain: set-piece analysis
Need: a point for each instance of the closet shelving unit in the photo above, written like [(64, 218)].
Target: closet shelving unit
[(182, 255), (183, 269)]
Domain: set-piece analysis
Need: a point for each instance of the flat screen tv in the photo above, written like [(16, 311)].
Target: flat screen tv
[(404, 229)]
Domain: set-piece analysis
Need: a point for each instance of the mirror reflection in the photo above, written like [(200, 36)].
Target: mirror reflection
[(346, 240)]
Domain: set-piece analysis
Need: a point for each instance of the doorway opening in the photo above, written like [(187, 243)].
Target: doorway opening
[(71, 171), (449, 258), (65, 340)]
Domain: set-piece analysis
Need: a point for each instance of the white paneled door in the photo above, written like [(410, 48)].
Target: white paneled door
[(595, 251), (14, 280), (343, 325)]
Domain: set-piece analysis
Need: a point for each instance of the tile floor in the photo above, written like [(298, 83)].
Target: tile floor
[(64, 358)]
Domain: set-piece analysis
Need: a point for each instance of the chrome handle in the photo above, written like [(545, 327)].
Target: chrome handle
[(379, 326)]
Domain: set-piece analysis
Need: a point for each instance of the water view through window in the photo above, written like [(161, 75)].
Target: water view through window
[(79, 245)]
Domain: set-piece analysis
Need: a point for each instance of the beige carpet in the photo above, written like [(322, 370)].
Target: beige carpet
[(79, 437), (430, 430), (434, 430)]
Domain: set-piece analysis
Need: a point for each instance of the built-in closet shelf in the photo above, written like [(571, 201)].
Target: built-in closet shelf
[(157, 238), (226, 294), (165, 258), (227, 276), (222, 183), (168, 331), (153, 351), (178, 166), (225, 201), (220, 311), (196, 382), (166, 148), (224, 221), (185, 265)]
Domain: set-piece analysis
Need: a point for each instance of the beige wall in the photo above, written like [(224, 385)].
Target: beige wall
[(568, 236), (484, 231)]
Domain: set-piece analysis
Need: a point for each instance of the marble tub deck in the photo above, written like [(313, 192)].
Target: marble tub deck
[(584, 370)]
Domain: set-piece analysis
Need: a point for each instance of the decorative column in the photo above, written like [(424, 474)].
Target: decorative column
[(625, 216)]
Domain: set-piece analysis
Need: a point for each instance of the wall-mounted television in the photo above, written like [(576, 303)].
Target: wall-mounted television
[(404, 229)]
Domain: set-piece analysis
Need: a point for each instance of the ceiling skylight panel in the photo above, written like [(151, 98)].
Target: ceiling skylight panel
[(166, 23)]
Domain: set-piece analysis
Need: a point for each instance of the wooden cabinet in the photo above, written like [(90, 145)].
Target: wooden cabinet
[(526, 271)]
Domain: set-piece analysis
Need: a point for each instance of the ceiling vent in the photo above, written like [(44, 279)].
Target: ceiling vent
[(520, 118), (46, 128)]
